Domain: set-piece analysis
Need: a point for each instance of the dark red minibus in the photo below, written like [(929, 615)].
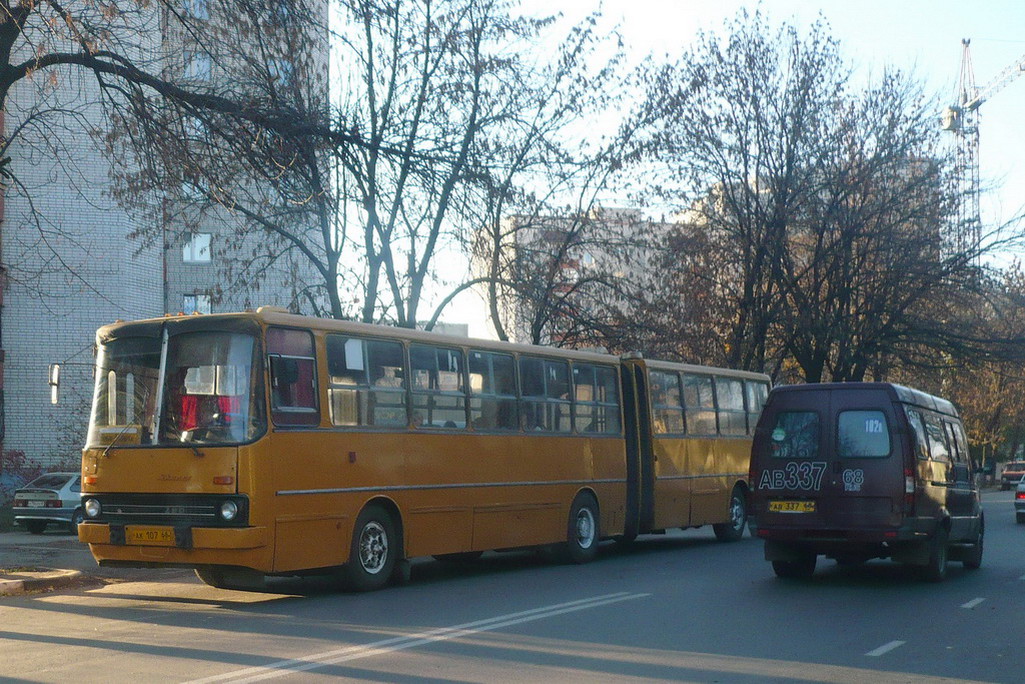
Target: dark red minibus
[(856, 471)]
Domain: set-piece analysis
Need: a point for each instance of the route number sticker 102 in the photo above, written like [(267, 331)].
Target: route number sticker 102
[(806, 476)]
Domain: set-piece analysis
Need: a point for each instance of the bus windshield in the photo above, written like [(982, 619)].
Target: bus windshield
[(205, 394)]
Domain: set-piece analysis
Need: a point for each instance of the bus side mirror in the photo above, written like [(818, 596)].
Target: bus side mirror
[(54, 381)]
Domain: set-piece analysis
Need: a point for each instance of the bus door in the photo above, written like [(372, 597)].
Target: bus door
[(640, 470)]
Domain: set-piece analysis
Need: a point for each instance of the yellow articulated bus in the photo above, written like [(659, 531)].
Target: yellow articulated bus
[(261, 443)]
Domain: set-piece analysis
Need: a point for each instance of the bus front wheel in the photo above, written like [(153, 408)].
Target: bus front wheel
[(582, 535), (373, 552)]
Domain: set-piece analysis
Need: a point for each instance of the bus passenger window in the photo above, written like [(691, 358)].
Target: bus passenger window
[(493, 391), (699, 401), (666, 406), (546, 403), (597, 399), (367, 382), (755, 396), (439, 396), (730, 401), (293, 377)]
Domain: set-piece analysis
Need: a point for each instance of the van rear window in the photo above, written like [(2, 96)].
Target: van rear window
[(795, 435), (863, 434)]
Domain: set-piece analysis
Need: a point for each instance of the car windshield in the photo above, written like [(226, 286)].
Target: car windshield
[(49, 481), (204, 395)]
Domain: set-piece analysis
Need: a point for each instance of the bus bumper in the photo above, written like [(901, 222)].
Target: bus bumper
[(200, 538)]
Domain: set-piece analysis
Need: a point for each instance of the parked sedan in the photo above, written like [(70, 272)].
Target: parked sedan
[(1013, 472), (50, 498), (1019, 502)]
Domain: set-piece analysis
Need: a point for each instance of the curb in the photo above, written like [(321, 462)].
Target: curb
[(36, 579)]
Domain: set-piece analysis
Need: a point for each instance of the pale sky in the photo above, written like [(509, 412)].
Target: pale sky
[(923, 37), (920, 36)]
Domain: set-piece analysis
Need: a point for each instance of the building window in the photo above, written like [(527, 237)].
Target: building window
[(280, 72), (198, 66), (196, 303), (197, 249), (197, 9)]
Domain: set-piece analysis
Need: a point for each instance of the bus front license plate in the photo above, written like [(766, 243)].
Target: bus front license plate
[(791, 506), (149, 536)]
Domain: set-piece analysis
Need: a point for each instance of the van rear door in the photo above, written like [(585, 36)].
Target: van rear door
[(789, 462), (867, 470), (830, 459)]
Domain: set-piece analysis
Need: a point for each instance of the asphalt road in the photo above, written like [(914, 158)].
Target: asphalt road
[(676, 608)]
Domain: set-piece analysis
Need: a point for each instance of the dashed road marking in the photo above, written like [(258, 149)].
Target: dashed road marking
[(885, 648), (974, 602)]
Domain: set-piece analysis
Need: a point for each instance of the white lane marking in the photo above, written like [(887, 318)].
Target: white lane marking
[(885, 648), (283, 667), (973, 603)]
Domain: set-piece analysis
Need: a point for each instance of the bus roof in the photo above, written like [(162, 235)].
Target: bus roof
[(267, 315)]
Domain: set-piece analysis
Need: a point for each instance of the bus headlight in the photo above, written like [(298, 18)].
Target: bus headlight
[(229, 509), (92, 508)]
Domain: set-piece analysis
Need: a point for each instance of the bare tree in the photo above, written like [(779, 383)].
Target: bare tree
[(823, 208)]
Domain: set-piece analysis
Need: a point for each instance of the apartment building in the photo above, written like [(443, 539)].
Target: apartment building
[(70, 260)]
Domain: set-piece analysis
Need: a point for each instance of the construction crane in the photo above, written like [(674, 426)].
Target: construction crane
[(962, 119)]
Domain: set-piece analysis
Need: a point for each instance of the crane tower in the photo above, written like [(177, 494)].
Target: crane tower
[(962, 119)]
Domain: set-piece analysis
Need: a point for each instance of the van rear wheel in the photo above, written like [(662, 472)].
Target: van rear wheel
[(972, 558), (935, 570), (734, 529), (802, 568)]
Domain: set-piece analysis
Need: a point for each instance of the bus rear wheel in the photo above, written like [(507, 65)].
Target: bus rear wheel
[(582, 534), (734, 529), (373, 552)]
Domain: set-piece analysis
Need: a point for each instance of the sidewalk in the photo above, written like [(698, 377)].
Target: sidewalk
[(57, 560)]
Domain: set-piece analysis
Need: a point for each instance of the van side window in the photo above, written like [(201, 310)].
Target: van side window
[(863, 434), (921, 443), (962, 442), (948, 430), (937, 440), (795, 435)]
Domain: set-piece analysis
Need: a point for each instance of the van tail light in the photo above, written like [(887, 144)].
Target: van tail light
[(909, 491), (1019, 495)]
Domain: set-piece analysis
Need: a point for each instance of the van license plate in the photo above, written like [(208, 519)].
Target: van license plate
[(791, 506), (149, 536)]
